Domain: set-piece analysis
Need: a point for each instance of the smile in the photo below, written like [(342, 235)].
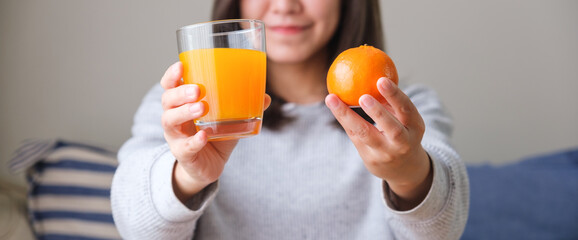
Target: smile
[(288, 30)]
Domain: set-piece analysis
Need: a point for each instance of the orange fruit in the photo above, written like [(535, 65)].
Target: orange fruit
[(355, 72)]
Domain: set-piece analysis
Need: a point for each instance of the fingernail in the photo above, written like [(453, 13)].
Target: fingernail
[(331, 102), (175, 68), (387, 84), (382, 82), (367, 101), (195, 108), (190, 91)]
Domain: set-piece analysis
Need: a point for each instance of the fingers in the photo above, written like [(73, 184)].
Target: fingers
[(180, 103), (195, 143), (394, 130), (401, 106), (267, 102), (174, 97), (397, 119), (173, 75), (358, 130), (185, 149), (174, 118)]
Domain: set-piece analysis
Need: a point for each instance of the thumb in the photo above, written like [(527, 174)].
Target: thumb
[(267, 102)]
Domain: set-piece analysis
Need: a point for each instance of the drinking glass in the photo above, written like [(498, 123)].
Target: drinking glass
[(227, 60)]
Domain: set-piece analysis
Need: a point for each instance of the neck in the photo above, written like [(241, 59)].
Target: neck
[(302, 82)]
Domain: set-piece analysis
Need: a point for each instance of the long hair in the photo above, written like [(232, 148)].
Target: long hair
[(359, 23)]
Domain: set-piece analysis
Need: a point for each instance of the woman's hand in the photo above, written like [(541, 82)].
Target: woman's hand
[(199, 162), (391, 150)]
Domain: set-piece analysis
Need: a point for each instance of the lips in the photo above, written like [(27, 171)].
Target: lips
[(288, 29)]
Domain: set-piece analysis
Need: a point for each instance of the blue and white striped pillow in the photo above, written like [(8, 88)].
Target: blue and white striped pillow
[(69, 195)]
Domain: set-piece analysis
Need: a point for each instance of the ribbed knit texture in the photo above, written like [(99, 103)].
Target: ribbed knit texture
[(304, 182)]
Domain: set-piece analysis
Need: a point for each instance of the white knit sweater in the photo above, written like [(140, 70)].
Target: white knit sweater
[(306, 181)]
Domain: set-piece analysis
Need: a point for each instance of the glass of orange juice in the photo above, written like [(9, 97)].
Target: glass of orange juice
[(227, 60)]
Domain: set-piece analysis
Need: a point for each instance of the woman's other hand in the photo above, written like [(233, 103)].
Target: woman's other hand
[(391, 149)]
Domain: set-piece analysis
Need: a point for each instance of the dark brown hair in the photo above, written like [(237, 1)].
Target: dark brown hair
[(359, 23)]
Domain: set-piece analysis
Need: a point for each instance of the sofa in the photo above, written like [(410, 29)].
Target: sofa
[(69, 187)]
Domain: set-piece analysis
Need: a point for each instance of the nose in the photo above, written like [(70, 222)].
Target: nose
[(286, 6)]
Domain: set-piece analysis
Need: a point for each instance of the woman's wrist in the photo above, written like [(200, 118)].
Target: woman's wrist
[(410, 193), (184, 186)]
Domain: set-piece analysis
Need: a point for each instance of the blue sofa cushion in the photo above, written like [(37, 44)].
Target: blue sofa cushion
[(69, 192), (535, 198)]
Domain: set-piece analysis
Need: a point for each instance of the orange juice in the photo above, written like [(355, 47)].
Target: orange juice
[(232, 83)]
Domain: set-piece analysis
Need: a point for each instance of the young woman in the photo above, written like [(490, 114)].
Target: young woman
[(317, 170)]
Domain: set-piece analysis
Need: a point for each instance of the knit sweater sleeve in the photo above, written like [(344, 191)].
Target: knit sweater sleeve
[(444, 211), (143, 203)]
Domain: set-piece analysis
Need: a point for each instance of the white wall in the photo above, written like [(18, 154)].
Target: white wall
[(79, 69), (507, 70)]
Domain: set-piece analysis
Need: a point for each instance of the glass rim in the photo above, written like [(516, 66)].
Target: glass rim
[(223, 21)]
